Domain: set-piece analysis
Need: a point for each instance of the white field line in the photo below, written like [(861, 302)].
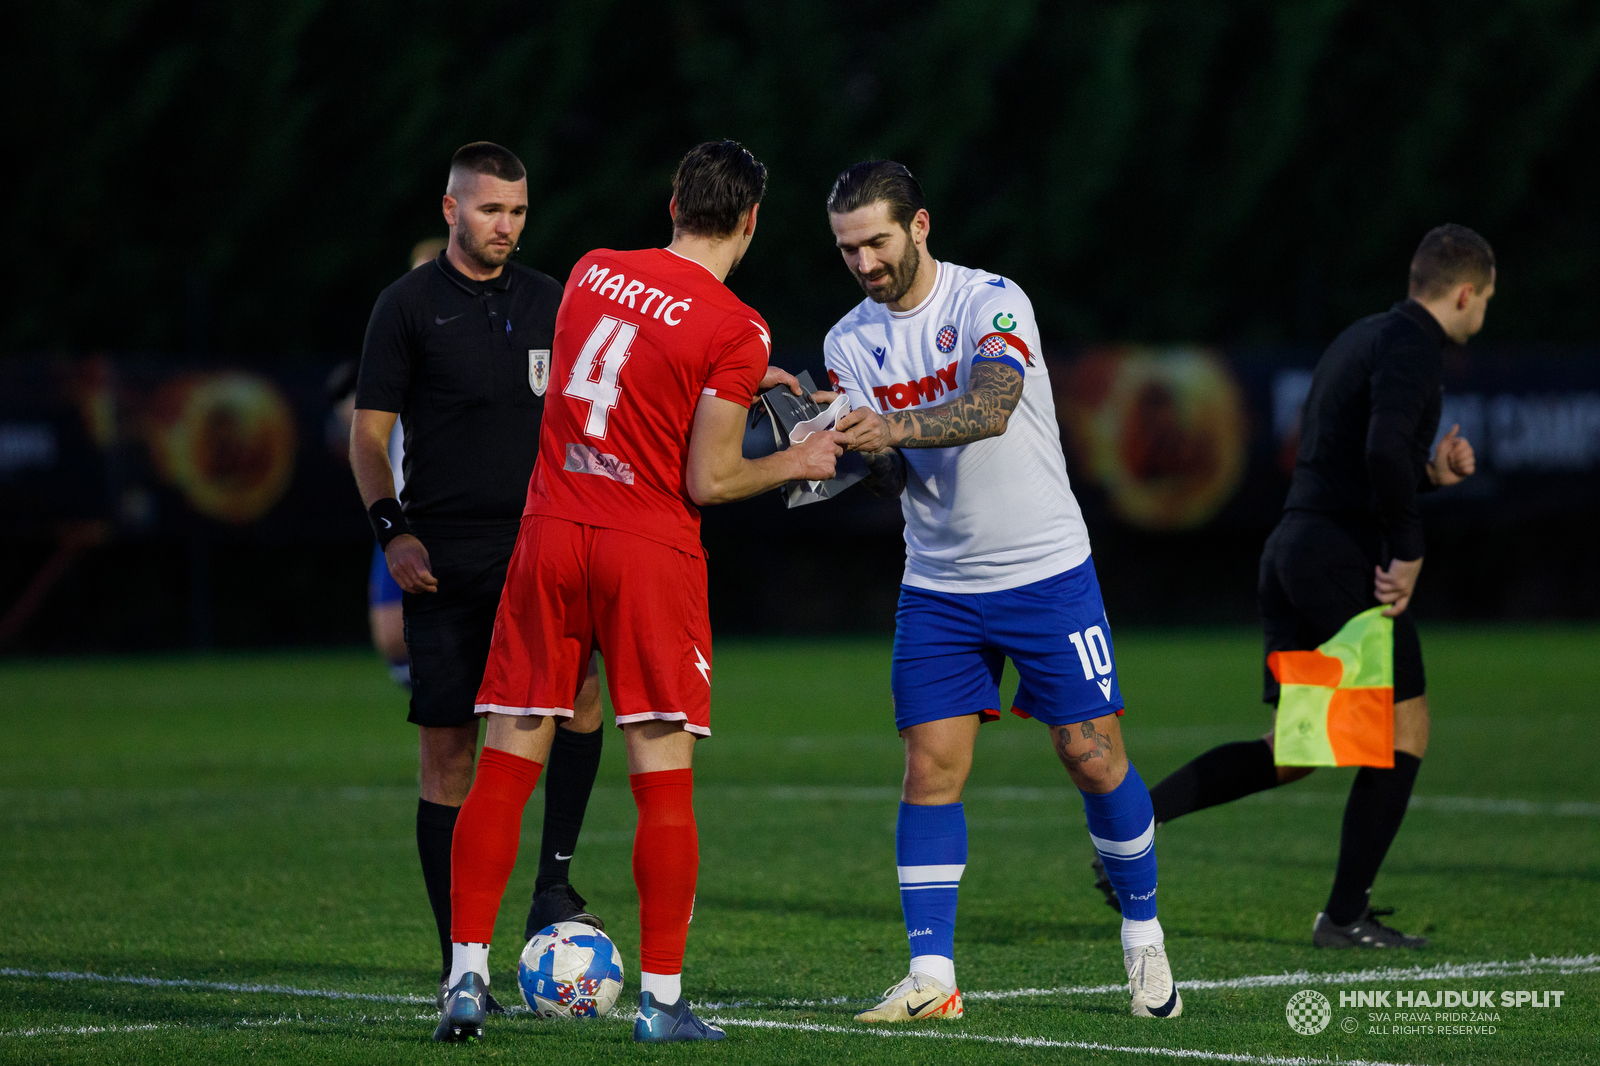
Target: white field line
[(212, 986), (1560, 964), (86, 1030), (147, 1027), (888, 794), (1188, 1054), (1049, 794)]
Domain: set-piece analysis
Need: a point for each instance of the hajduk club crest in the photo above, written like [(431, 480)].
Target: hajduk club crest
[(946, 340)]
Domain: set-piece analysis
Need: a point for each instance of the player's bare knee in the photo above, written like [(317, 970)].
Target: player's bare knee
[(388, 632), (1098, 776), (586, 708), (446, 755), (1092, 753), (1412, 726), (934, 776)]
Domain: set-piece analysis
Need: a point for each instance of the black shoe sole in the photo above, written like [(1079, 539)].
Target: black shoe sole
[(457, 1034)]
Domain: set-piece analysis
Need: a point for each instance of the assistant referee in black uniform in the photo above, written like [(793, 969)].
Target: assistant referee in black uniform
[(460, 347), (1350, 539)]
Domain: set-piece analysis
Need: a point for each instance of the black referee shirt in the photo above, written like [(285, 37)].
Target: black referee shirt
[(455, 358), (1369, 425)]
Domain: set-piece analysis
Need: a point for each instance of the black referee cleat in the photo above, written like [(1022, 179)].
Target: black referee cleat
[(1103, 883), (464, 1011), (1365, 932), (558, 903)]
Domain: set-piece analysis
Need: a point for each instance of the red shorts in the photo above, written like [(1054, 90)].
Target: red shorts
[(574, 588)]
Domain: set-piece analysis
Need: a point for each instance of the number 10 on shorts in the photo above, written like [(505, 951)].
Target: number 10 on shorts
[(1093, 651)]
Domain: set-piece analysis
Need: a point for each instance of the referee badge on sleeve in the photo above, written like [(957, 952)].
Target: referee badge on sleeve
[(538, 370)]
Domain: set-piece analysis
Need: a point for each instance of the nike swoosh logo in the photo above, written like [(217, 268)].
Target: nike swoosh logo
[(441, 321), (562, 858), (386, 523), (920, 1007)]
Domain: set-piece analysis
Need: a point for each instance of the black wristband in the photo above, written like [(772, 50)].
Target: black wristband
[(388, 520)]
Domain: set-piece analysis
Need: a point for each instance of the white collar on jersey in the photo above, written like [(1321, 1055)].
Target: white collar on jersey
[(696, 262), (938, 279)]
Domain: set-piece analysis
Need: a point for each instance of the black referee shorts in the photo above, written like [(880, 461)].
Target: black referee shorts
[(1316, 575), (448, 632)]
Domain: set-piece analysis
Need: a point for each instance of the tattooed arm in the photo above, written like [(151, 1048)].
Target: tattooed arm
[(993, 390), (886, 472)]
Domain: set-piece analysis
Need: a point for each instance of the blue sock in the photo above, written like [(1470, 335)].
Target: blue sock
[(1123, 828), (930, 851)]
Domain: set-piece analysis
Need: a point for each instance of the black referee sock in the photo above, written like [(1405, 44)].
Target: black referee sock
[(436, 825), (569, 778), (1372, 817), (1221, 775)]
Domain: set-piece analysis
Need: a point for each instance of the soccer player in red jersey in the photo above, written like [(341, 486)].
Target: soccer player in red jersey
[(654, 366)]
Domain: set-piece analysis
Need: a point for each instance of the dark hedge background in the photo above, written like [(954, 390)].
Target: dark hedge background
[(237, 181), (244, 177)]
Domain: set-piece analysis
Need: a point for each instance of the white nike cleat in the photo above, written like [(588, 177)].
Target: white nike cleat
[(1155, 994), (917, 998)]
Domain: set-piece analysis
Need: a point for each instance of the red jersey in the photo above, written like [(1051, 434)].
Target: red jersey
[(640, 337)]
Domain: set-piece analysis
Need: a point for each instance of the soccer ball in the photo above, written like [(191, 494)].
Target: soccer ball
[(570, 970)]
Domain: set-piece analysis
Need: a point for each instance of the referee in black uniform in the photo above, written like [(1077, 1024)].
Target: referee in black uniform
[(460, 347), (1350, 539)]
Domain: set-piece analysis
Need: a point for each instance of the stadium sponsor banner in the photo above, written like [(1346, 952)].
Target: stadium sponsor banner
[(151, 444), (1186, 437), (1165, 440)]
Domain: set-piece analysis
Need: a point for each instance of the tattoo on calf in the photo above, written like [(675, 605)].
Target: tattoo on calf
[(993, 391)]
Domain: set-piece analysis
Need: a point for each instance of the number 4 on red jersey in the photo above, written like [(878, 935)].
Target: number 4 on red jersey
[(595, 372)]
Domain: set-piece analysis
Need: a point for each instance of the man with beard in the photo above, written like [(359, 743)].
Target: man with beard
[(951, 406), (460, 347)]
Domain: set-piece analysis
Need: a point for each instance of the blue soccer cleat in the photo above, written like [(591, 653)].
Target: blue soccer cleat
[(656, 1024), (464, 1011)]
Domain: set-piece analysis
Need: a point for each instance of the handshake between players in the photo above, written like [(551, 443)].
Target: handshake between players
[(655, 364)]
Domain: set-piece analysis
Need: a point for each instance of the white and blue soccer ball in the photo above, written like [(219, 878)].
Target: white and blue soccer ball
[(570, 970)]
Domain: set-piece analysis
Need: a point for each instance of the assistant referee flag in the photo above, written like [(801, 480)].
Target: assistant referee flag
[(1336, 707)]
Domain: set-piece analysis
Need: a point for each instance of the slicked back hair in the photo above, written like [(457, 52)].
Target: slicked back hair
[(1448, 256), (716, 182), (878, 181), (488, 158)]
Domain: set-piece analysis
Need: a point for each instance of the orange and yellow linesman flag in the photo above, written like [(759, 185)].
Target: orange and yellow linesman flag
[(1336, 707)]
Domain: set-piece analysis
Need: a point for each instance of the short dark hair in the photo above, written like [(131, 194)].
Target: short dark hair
[(878, 181), (716, 182), (486, 157), (1449, 255)]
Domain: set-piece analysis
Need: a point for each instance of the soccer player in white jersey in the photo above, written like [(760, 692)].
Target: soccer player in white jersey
[(951, 406)]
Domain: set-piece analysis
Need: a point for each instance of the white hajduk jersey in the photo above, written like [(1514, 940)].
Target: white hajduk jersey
[(994, 514)]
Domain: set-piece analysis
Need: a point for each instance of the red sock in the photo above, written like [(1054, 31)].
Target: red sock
[(484, 848), (666, 860)]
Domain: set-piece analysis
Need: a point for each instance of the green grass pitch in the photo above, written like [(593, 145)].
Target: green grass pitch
[(248, 820)]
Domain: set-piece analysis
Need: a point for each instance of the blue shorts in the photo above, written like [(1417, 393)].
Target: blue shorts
[(950, 648), (381, 588)]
